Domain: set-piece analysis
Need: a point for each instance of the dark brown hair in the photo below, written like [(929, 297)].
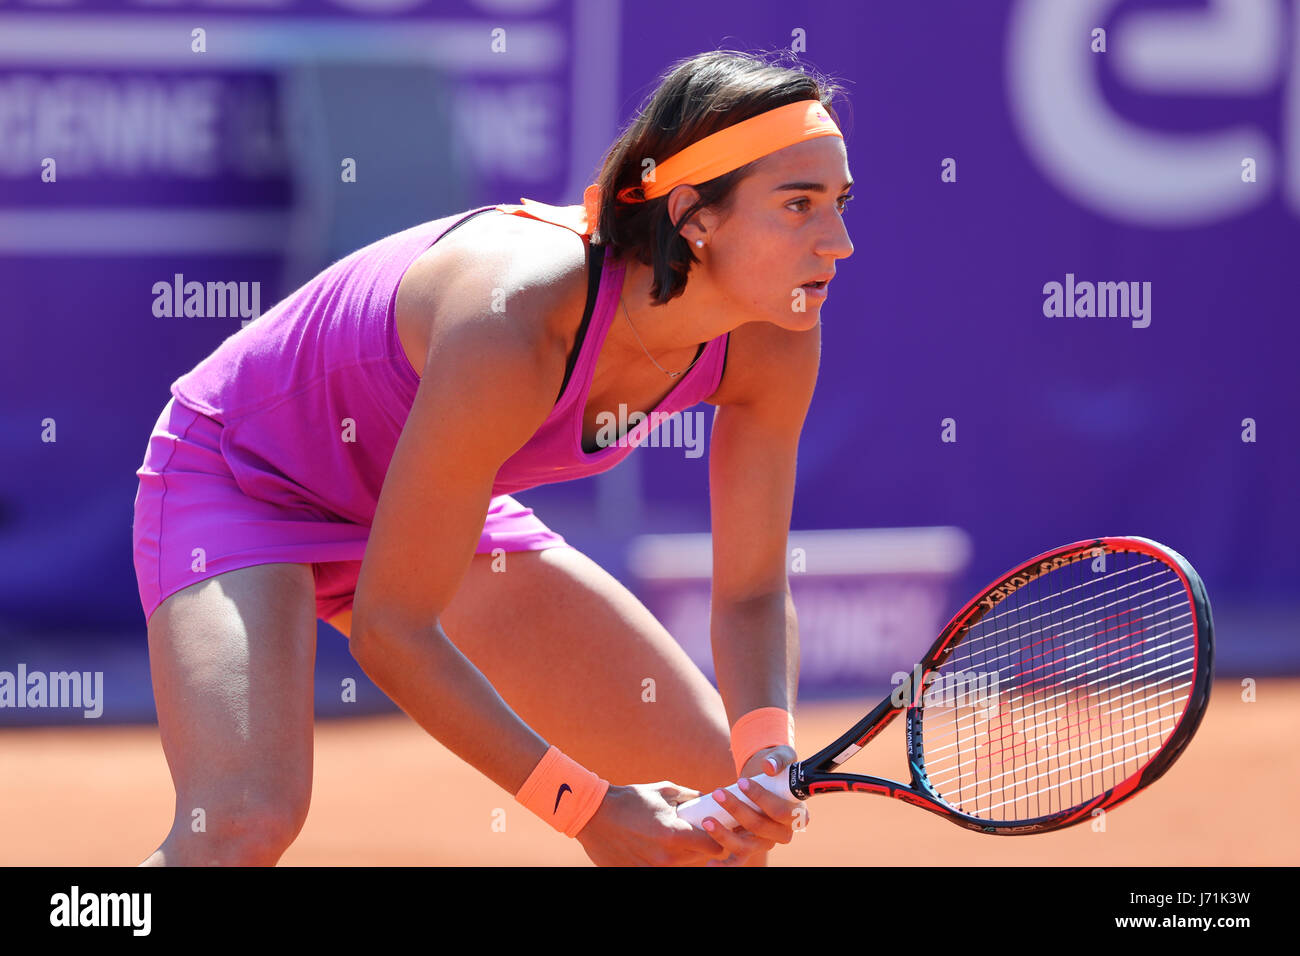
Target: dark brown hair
[(697, 97)]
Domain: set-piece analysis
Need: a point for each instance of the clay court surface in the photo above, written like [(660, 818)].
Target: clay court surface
[(387, 794)]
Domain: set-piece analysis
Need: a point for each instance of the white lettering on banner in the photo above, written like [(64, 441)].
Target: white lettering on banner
[(137, 110), (1225, 48), (127, 126), (864, 631), (509, 130)]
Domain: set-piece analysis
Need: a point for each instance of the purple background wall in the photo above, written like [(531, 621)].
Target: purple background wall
[(1122, 166)]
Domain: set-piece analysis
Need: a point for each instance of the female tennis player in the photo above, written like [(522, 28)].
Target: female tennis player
[(351, 456)]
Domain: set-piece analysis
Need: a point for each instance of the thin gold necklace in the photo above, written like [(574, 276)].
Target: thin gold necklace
[(671, 375)]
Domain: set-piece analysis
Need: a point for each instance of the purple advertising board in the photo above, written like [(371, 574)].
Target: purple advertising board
[(1069, 312)]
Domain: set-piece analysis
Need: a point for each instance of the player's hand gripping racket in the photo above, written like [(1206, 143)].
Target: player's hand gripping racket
[(1065, 687)]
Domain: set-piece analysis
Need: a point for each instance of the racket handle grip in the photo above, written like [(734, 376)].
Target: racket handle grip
[(694, 811)]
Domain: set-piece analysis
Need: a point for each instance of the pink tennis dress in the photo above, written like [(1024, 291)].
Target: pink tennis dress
[(274, 448)]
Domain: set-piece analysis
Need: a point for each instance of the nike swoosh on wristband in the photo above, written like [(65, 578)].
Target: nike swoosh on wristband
[(559, 795)]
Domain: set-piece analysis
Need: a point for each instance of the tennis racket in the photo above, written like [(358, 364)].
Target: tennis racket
[(1067, 686)]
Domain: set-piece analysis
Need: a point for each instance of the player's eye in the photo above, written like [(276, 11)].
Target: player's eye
[(843, 201)]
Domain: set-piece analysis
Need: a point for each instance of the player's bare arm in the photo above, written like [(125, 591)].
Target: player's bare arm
[(755, 440), (463, 425)]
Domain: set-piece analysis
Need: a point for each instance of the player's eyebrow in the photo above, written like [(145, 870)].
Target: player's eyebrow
[(809, 187)]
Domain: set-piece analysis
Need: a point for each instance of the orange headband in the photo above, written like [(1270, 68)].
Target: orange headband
[(724, 151)]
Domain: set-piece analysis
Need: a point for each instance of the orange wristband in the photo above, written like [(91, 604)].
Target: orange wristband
[(562, 792), (758, 729)]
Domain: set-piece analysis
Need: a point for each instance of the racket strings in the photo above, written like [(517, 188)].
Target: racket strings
[(1014, 631), (948, 794), (1055, 690), (1080, 656), (1071, 686), (1056, 597), (933, 765), (957, 722)]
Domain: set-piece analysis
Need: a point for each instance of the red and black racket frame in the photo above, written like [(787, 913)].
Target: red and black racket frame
[(809, 777)]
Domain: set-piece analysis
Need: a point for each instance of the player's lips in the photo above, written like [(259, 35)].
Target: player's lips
[(817, 286)]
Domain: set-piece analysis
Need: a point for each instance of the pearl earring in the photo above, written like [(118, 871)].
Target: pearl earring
[(699, 243)]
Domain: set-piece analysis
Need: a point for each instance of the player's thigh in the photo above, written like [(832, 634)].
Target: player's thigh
[(232, 660), (586, 665)]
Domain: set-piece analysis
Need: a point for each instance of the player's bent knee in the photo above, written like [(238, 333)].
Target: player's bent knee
[(248, 843), (245, 832)]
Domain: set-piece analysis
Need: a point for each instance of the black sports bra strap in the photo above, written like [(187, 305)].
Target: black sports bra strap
[(595, 264)]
